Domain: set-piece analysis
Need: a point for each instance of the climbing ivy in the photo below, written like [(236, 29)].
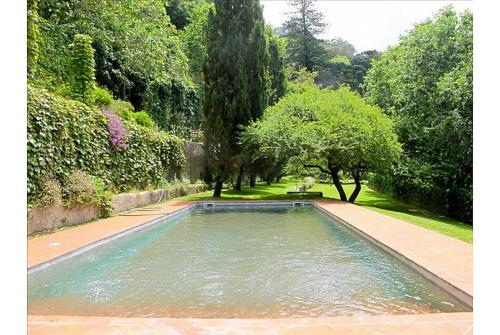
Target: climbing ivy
[(66, 135), (82, 68), (33, 36)]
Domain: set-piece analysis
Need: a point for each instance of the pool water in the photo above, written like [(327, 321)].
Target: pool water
[(237, 262)]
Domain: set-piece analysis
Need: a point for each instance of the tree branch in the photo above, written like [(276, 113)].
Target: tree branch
[(317, 167)]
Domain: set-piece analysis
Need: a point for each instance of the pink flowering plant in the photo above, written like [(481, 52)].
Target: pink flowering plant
[(118, 134)]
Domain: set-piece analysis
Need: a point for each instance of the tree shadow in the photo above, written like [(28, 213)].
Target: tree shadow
[(389, 204)]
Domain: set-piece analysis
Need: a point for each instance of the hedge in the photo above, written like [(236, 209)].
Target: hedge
[(66, 135)]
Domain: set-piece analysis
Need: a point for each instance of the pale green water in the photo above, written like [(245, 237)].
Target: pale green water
[(243, 262)]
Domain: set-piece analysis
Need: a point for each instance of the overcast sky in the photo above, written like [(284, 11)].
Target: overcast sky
[(366, 24)]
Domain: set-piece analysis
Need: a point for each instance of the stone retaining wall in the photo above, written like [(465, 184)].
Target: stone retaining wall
[(43, 218), (196, 161), (125, 201)]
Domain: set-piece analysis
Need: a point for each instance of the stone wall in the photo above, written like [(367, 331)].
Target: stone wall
[(196, 161), (125, 201), (56, 216), (42, 218)]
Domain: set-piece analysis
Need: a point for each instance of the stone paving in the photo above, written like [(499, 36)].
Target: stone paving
[(445, 257), (422, 324), (46, 247)]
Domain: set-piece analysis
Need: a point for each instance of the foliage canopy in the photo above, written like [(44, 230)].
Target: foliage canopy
[(334, 131), (425, 84)]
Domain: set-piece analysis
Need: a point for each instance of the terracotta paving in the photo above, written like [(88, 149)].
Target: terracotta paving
[(422, 324), (46, 247), (448, 258)]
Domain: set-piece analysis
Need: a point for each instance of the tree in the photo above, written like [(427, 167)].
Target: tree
[(339, 69), (341, 65), (332, 131), (338, 47), (361, 63), (235, 74), (138, 56), (179, 11), (425, 84), (277, 75), (82, 68), (303, 25), (193, 38)]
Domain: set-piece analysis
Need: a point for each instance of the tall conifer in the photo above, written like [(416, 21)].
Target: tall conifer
[(236, 80)]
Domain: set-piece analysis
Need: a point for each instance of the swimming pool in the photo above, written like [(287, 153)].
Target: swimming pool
[(250, 261)]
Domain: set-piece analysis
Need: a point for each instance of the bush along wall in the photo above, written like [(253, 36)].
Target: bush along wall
[(65, 136)]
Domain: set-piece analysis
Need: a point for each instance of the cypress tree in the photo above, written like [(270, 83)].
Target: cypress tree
[(277, 75), (236, 81)]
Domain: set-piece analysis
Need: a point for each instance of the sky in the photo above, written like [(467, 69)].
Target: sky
[(367, 25)]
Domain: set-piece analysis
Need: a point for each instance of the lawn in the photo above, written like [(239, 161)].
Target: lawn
[(367, 198)]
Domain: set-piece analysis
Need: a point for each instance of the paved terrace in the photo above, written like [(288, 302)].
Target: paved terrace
[(444, 257)]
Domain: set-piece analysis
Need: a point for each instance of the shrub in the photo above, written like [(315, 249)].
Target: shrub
[(83, 189), (79, 189), (50, 193), (143, 119), (140, 118), (104, 198), (120, 106), (66, 135), (102, 97)]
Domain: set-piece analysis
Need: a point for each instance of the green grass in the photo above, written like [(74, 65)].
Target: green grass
[(398, 209), (367, 198), (276, 191)]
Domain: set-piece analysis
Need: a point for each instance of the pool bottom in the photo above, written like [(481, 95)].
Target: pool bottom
[(237, 262)]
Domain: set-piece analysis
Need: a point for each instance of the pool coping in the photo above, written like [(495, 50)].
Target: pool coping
[(444, 283), (120, 234)]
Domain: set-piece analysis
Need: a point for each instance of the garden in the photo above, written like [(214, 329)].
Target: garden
[(136, 107), (106, 114)]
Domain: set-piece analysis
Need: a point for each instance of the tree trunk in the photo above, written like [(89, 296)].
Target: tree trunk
[(357, 189), (334, 173), (253, 179), (218, 187), (338, 185), (278, 178), (269, 180), (237, 186)]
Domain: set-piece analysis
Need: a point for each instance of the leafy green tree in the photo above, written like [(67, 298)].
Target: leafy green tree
[(361, 63), (303, 25), (339, 69), (193, 38), (82, 68), (236, 77), (33, 36), (333, 131), (338, 47), (179, 11), (138, 55), (425, 84)]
